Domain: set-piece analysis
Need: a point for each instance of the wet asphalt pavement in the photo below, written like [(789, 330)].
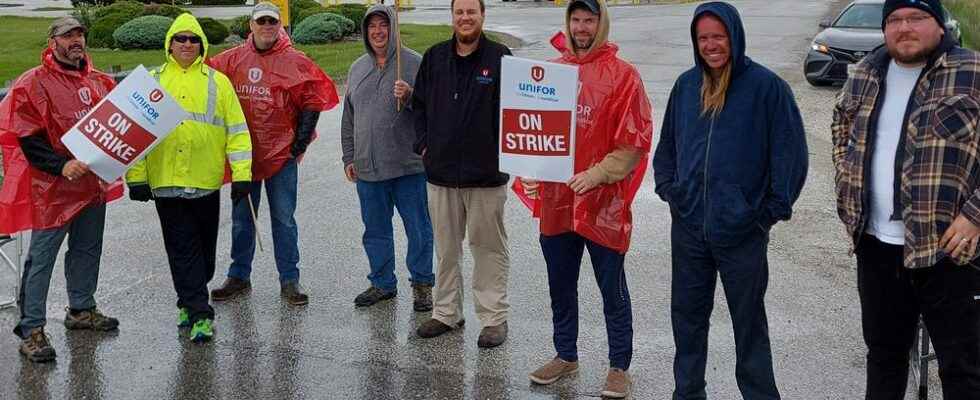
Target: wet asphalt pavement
[(330, 350)]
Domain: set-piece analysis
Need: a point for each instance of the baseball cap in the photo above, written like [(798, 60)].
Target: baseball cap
[(592, 5), (265, 9), (64, 25)]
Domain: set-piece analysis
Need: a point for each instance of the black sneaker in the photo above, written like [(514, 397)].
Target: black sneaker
[(36, 347), (372, 296), (91, 319)]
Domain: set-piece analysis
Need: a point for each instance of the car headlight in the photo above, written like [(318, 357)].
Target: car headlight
[(820, 47)]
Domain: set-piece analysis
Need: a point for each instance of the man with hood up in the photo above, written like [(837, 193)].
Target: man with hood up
[(612, 139), (282, 93), (377, 134), (183, 174), (51, 193), (907, 158), (731, 161)]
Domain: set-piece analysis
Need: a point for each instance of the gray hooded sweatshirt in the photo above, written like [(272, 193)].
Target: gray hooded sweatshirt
[(375, 136)]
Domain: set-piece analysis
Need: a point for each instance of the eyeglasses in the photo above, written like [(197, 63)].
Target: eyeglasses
[(185, 39), (267, 21), (914, 20)]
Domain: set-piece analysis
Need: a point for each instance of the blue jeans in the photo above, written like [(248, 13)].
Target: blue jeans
[(744, 270), (281, 191), (563, 254), (378, 199), (81, 267)]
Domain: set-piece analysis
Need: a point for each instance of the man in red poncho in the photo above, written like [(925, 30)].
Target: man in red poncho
[(282, 93), (48, 191), (592, 210)]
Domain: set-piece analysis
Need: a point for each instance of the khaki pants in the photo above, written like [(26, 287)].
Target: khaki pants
[(479, 214)]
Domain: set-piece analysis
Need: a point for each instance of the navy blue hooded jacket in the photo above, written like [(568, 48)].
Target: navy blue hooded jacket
[(725, 176)]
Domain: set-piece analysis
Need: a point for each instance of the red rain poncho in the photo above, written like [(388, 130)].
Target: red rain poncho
[(48, 100), (613, 113), (273, 87)]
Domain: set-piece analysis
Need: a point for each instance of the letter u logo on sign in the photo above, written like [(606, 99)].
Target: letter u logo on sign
[(537, 73), (156, 95)]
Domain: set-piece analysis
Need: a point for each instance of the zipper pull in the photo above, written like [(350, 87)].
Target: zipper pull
[(456, 96)]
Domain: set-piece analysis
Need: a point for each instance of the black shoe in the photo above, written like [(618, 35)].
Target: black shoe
[(230, 288), (373, 295), (292, 292), (423, 297)]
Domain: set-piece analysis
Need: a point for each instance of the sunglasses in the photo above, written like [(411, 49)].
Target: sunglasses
[(185, 39), (267, 21)]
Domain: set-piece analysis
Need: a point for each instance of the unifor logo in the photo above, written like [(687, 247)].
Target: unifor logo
[(486, 72), (537, 73), (255, 75), (156, 95), (85, 95)]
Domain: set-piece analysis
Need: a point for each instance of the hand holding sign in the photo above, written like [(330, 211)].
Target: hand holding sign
[(123, 127)]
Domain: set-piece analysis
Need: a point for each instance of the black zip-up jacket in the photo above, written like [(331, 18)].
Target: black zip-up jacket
[(457, 121)]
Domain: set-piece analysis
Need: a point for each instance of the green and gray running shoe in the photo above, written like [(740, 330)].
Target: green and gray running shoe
[(183, 318), (202, 331)]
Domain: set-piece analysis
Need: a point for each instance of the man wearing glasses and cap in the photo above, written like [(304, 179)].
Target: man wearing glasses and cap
[(282, 93), (60, 196), (184, 173)]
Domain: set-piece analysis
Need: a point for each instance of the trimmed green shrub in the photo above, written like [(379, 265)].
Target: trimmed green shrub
[(146, 32), (240, 26), (346, 25), (131, 9), (297, 17), (295, 6), (165, 10), (318, 29), (353, 11), (218, 2), (100, 35), (214, 30)]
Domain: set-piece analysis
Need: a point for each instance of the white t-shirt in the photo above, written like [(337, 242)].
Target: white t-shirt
[(899, 84)]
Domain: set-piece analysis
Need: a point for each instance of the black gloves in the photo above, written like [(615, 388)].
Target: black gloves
[(305, 125), (140, 192), (239, 190)]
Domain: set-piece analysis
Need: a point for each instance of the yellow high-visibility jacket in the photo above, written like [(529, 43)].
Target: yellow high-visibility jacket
[(194, 154)]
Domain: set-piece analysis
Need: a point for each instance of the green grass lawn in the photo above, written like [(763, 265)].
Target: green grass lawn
[(25, 38), (968, 13)]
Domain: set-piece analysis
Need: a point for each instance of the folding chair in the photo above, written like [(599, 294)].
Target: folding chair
[(921, 355), (13, 266)]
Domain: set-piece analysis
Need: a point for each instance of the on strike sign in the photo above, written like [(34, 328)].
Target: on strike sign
[(126, 124), (537, 119)]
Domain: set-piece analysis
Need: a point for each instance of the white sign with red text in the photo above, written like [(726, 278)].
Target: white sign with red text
[(124, 126), (537, 119)]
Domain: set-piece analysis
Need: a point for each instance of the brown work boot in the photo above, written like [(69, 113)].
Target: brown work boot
[(553, 371), (230, 288), (423, 297), (36, 347), (373, 296), (91, 319), (292, 292), (433, 328), (617, 384), (492, 336)]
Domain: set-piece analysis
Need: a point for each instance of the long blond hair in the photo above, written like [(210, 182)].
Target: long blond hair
[(713, 91)]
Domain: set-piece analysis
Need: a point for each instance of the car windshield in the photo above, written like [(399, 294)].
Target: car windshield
[(861, 16)]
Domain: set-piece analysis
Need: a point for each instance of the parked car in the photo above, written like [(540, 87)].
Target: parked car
[(846, 39)]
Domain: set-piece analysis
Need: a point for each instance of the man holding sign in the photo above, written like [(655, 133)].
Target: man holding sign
[(184, 173), (54, 194), (592, 210)]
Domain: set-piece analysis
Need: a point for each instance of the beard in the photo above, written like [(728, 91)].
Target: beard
[(583, 44), (915, 57), (468, 38), (73, 53)]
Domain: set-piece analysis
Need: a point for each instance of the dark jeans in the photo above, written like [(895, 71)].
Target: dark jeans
[(947, 296), (81, 267), (744, 270), (190, 234), (378, 201), (563, 254), (280, 189)]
